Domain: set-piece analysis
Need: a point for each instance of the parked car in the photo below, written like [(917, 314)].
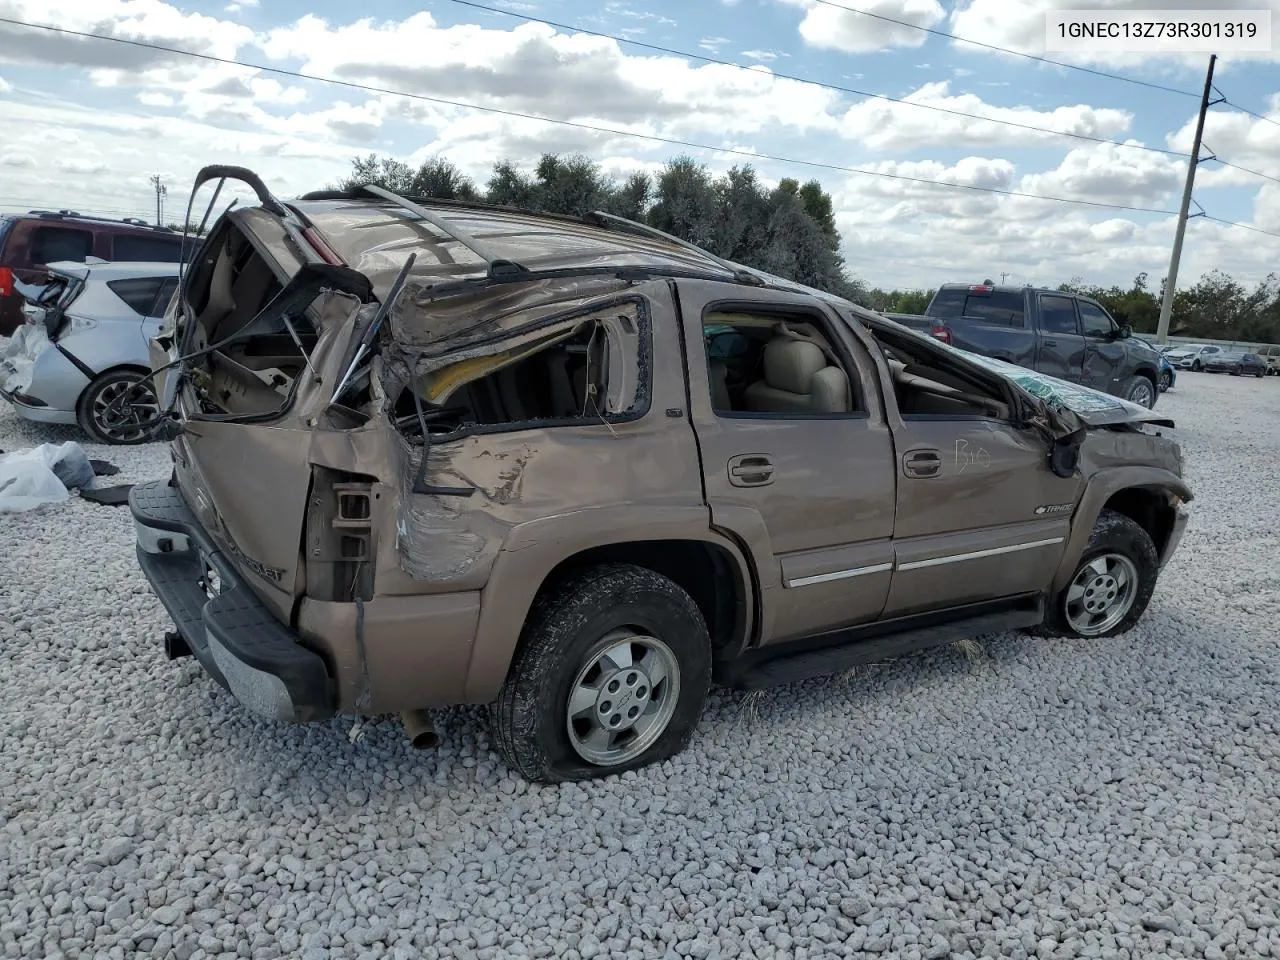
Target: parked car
[(1271, 355), (1192, 356), (1065, 335), (1168, 376), (31, 241), (85, 349), (578, 469), (1235, 363)]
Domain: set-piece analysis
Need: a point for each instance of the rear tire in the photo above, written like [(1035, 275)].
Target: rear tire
[(118, 424), (1236, 371), (1112, 583), (1166, 381), (559, 717)]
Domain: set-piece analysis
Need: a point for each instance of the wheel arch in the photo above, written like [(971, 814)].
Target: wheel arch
[(1147, 495), (712, 569)]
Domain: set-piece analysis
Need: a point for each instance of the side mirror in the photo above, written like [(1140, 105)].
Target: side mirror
[(1125, 331)]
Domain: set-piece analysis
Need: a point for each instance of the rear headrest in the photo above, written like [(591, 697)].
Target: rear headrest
[(790, 364)]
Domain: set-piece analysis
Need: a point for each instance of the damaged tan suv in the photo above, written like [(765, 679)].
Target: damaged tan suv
[(431, 453)]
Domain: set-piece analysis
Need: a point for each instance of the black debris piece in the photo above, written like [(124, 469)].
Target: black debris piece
[(103, 468), (108, 496)]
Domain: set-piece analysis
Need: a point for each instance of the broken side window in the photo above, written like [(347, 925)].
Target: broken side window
[(584, 369), (930, 386)]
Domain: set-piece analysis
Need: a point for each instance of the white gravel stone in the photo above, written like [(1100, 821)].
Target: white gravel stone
[(1049, 799)]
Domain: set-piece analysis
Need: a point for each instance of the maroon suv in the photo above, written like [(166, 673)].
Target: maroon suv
[(30, 241)]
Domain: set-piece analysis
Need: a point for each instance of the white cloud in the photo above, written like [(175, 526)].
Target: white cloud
[(1111, 174), (154, 98), (151, 20), (863, 30), (534, 69), (5, 86), (240, 5), (1237, 137), (882, 125), (765, 55)]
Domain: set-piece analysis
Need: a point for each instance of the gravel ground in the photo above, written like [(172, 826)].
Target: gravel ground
[(1034, 799)]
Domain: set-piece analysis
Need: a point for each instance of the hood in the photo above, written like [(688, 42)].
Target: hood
[(1095, 408)]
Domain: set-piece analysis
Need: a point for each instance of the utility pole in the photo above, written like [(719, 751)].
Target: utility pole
[(161, 191), (1003, 276), (1171, 282)]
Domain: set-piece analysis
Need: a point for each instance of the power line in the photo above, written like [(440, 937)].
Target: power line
[(1014, 53), (1236, 166), (1242, 226), (610, 131), (1258, 116), (815, 83)]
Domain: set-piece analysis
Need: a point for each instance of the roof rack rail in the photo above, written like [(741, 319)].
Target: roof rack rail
[(495, 266), (76, 215), (741, 274)]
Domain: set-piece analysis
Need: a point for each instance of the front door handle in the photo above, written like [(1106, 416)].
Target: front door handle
[(1048, 343), (922, 463), (751, 470)]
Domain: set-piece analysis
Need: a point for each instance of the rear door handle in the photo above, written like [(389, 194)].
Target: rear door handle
[(1049, 343), (751, 470), (921, 463)]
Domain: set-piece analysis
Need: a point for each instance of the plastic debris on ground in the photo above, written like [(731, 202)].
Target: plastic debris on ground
[(45, 474)]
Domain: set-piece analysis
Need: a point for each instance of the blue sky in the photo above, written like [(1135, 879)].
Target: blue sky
[(87, 123)]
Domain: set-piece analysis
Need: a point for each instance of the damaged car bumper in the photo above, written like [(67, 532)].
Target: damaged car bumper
[(223, 623)]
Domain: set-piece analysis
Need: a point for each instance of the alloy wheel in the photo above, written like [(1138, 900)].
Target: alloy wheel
[(623, 697), (121, 418), (1101, 594)]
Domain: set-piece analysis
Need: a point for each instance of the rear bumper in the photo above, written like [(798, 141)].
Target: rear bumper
[(37, 414), (229, 630)]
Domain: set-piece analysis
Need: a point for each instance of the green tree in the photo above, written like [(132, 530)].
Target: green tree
[(442, 180), (385, 172)]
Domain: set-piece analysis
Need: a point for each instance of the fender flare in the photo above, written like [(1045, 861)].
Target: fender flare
[(533, 550), (1102, 486)]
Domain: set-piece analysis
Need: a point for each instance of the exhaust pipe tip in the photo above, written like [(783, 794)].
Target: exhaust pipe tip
[(420, 728), (175, 647)]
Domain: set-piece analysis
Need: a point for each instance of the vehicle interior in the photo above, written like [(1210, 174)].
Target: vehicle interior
[(926, 385), (762, 363), (586, 369), (228, 289)]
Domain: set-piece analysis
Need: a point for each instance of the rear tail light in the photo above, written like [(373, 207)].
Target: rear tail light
[(6, 282), (939, 332)]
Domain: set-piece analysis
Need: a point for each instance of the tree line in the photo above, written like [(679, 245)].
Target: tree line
[(789, 230)]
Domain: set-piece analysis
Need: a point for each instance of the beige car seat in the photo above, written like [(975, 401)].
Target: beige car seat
[(798, 379)]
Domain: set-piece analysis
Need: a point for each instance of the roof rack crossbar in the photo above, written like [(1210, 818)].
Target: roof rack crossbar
[(739, 273), (496, 266)]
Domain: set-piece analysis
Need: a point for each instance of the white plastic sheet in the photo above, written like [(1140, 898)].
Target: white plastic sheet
[(45, 474), (19, 355)]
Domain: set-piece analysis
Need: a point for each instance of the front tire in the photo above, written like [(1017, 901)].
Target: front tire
[(1197, 366), (1112, 584), (118, 409), (1141, 391), (612, 674)]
